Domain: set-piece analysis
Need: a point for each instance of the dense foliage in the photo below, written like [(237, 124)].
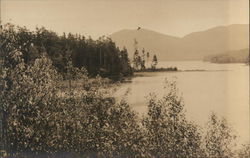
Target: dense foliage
[(98, 57), (40, 122), (219, 138), (169, 133)]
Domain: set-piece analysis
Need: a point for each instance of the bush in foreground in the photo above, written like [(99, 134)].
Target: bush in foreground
[(169, 133), (39, 123)]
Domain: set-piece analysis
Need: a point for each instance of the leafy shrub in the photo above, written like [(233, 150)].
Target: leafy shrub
[(244, 152), (169, 133), (27, 95), (219, 138), (39, 122)]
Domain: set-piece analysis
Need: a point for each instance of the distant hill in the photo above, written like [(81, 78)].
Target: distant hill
[(239, 56), (156, 43), (194, 46)]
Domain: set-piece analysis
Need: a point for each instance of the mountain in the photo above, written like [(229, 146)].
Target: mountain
[(156, 43), (194, 46)]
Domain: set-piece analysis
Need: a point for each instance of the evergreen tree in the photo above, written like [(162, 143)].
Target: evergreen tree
[(148, 59), (136, 60), (143, 59), (154, 62)]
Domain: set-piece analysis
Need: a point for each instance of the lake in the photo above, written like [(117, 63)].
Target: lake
[(221, 88)]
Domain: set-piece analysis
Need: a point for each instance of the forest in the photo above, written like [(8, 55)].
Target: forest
[(97, 56)]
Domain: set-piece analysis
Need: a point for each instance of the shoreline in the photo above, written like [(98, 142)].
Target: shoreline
[(147, 73)]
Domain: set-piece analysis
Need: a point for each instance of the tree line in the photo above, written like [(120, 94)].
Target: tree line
[(99, 56)]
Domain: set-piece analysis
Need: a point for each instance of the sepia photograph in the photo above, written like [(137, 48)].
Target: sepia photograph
[(124, 79)]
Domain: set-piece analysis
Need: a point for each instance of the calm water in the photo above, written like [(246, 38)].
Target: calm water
[(223, 89)]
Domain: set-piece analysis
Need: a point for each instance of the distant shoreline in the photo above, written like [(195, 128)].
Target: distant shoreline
[(147, 73), (158, 69)]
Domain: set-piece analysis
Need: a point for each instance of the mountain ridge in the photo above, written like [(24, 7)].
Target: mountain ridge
[(193, 46)]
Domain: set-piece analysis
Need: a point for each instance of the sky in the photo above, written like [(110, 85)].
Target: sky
[(104, 17)]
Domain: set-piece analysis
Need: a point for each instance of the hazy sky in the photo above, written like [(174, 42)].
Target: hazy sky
[(103, 17)]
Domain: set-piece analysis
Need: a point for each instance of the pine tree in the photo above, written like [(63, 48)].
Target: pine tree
[(148, 59), (154, 62), (143, 59)]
